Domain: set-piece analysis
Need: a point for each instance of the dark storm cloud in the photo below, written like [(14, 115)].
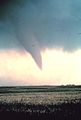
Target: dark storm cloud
[(4, 2), (54, 23)]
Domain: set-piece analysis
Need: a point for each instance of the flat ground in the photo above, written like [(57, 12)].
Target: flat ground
[(45, 102), (40, 94)]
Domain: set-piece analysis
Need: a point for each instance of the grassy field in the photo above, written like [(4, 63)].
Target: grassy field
[(41, 102)]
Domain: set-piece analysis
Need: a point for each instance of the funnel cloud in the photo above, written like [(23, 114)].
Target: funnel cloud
[(22, 32), (44, 23)]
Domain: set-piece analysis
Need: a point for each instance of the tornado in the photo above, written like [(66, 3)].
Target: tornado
[(13, 11), (30, 44)]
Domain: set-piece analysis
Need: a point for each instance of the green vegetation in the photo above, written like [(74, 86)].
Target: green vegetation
[(24, 89)]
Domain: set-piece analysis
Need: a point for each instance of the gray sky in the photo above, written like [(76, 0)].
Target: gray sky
[(53, 22)]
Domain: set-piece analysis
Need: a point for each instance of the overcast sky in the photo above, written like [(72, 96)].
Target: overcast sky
[(56, 27)]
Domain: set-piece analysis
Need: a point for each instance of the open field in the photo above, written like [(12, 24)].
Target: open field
[(40, 94), (41, 102)]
